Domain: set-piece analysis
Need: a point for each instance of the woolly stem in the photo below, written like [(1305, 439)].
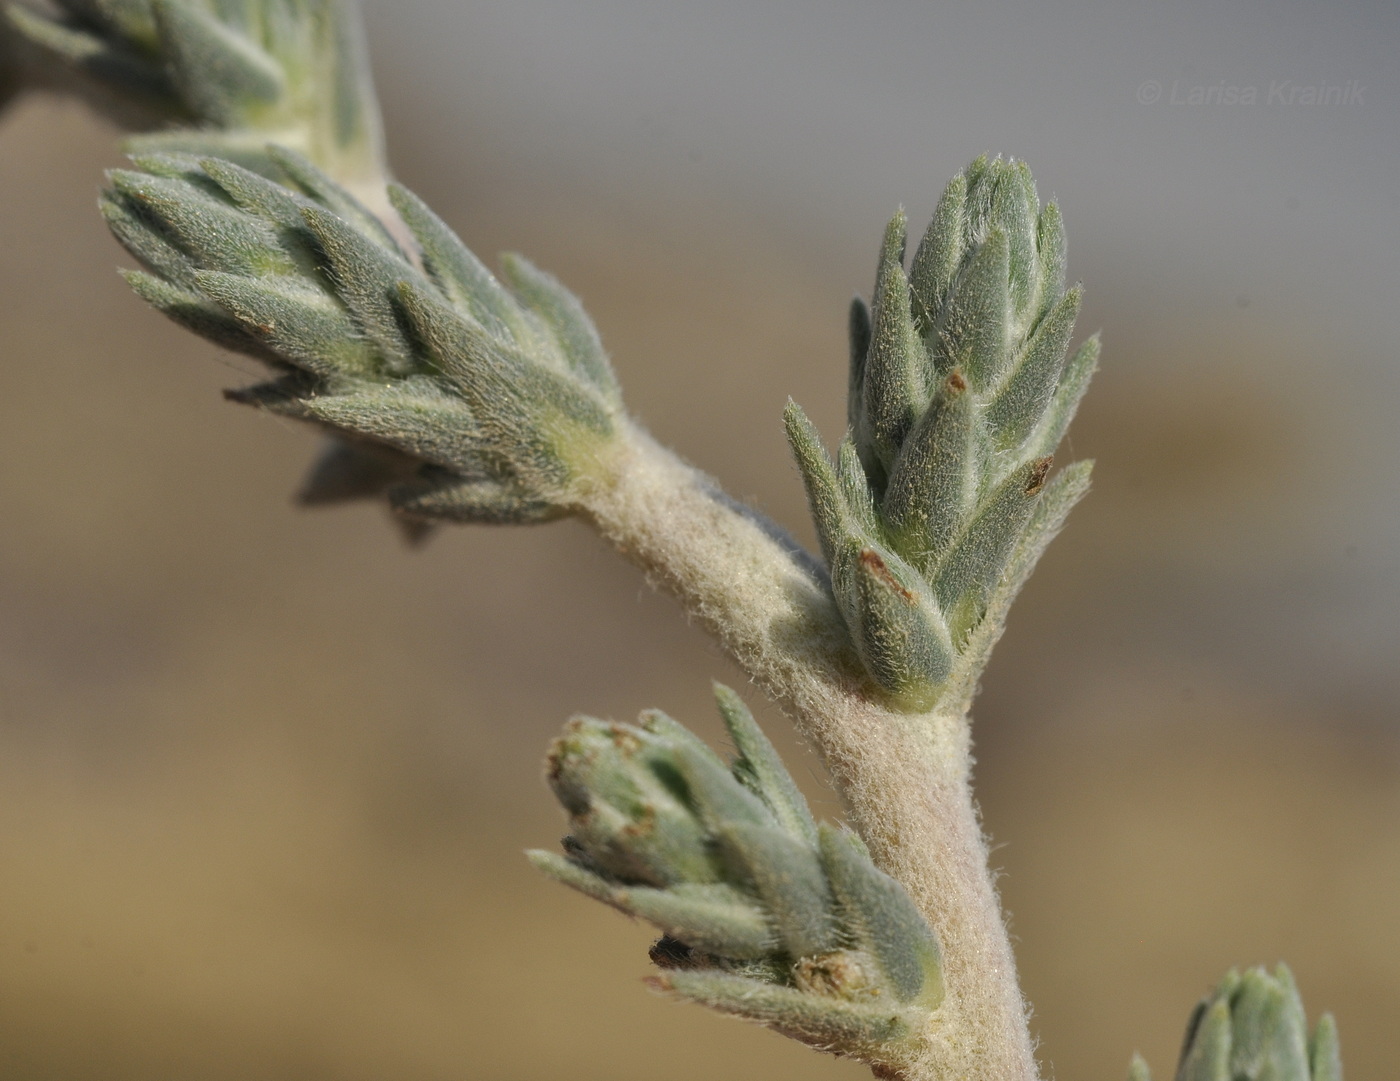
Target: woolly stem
[(904, 778)]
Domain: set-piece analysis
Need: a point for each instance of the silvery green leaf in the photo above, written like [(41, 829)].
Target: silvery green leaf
[(1252, 1028), (788, 878), (895, 365), (199, 314), (934, 480), (1207, 1053), (856, 496), (1137, 1069), (973, 334), (323, 190), (416, 418), (1050, 249), (133, 230), (570, 326), (880, 915), (1014, 208), (304, 326), (366, 278), (221, 73), (1325, 1053), (1021, 402), (978, 557), (531, 414), (894, 620), (270, 201), (474, 502), (1056, 500), (760, 769), (457, 272), (1074, 381), (938, 257), (713, 919), (817, 1020), (823, 496), (716, 797), (212, 232), (1269, 1032)]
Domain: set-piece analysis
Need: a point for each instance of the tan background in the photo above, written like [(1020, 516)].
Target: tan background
[(265, 774)]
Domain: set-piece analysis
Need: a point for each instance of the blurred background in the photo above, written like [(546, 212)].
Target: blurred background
[(265, 773)]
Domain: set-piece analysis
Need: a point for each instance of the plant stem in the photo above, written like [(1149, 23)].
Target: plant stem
[(904, 778)]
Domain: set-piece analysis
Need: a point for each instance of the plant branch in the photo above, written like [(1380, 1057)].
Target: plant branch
[(904, 778)]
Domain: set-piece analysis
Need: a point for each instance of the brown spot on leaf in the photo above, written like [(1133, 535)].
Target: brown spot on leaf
[(1036, 481), (956, 383), (839, 974), (870, 559)]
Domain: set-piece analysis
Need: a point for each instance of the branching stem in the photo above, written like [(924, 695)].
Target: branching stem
[(904, 778)]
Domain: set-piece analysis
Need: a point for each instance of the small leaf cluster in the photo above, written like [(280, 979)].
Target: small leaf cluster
[(938, 504), (458, 396), (1252, 1028), (231, 75), (764, 913)]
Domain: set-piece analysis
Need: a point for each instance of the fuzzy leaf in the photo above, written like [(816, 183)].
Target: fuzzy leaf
[(823, 497), (1073, 383), (306, 327), (884, 921), (197, 313), (790, 882), (564, 316), (474, 502), (978, 558), (456, 271), (973, 337), (938, 257), (760, 769), (893, 390), (366, 278), (934, 480), (895, 621), (858, 331), (816, 1020), (1022, 400), (221, 73)]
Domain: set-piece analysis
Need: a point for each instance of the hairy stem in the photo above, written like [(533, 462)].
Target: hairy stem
[(904, 778)]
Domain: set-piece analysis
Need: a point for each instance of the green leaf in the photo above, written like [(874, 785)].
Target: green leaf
[(934, 480), (858, 331), (1029, 388), (978, 558), (570, 326), (894, 619), (305, 326), (197, 313), (893, 391), (790, 882), (819, 1021), (761, 770), (1073, 383), (938, 257), (367, 278), (823, 496), (973, 337), (223, 75), (884, 921), (457, 272)]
